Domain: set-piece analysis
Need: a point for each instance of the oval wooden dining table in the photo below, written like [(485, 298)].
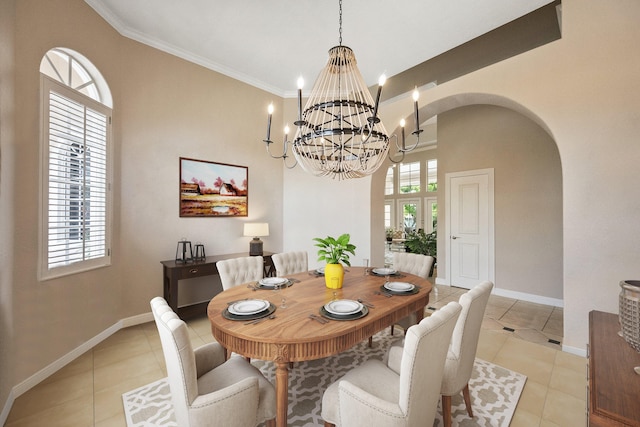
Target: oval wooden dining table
[(293, 336)]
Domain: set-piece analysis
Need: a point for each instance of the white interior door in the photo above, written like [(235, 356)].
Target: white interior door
[(470, 249)]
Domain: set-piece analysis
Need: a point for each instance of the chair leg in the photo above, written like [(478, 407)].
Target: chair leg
[(370, 342), (446, 410), (271, 422), (392, 329), (467, 400), (328, 424)]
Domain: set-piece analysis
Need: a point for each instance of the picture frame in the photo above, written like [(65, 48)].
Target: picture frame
[(211, 189)]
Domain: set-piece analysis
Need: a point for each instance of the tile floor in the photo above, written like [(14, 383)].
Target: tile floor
[(88, 391)]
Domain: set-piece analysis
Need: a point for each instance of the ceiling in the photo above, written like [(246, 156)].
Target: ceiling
[(269, 44)]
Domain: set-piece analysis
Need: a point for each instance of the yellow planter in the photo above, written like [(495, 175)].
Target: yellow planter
[(333, 276)]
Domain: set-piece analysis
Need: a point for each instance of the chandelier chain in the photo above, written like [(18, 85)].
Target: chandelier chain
[(340, 24)]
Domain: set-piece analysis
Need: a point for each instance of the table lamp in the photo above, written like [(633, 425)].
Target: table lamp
[(256, 230)]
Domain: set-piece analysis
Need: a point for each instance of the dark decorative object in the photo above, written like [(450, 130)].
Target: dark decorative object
[(213, 189), (199, 255), (184, 253)]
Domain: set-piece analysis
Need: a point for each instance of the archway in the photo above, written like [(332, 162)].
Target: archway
[(503, 134)]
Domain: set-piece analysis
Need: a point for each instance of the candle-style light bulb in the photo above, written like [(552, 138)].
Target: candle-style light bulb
[(416, 95), (300, 86), (381, 82), (286, 139), (270, 113)]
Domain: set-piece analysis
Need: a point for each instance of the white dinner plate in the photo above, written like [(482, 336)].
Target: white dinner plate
[(248, 307), (384, 271), (343, 307), (399, 286), (270, 282)]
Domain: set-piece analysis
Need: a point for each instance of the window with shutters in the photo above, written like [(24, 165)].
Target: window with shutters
[(76, 165)]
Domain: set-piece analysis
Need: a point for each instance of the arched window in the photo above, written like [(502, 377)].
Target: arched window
[(388, 182), (75, 221)]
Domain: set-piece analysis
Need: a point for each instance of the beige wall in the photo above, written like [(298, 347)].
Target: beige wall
[(55, 316), (7, 170), (164, 108), (528, 193), (169, 108)]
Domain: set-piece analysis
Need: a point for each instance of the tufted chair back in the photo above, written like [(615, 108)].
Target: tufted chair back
[(237, 271), (290, 263), (417, 264)]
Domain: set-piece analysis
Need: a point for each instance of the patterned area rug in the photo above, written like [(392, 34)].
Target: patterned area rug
[(494, 391)]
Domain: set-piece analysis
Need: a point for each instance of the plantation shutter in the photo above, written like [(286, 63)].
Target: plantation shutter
[(77, 182)]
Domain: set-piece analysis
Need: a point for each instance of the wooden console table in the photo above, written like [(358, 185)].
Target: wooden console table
[(614, 388), (173, 271)]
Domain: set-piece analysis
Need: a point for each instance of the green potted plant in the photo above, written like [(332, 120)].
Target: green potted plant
[(335, 252), (419, 242)]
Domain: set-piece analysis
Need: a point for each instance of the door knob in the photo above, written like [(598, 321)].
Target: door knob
[(454, 237)]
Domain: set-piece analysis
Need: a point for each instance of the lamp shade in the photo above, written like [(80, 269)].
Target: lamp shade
[(256, 229)]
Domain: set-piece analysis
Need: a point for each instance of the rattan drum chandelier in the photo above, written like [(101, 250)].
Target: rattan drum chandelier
[(339, 133)]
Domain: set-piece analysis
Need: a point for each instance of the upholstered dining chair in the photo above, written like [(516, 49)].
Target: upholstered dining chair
[(287, 263), (236, 271), (417, 264), (205, 389), (462, 349), (374, 395)]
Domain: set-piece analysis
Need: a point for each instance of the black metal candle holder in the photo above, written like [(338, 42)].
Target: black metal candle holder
[(184, 254), (199, 252)]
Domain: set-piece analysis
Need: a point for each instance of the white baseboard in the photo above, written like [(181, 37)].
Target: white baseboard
[(516, 295), (136, 320), (575, 350), (47, 371), (7, 408), (528, 297)]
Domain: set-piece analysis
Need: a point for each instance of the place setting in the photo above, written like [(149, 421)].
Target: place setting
[(399, 288), (249, 310), (385, 271), (273, 283), (318, 272), (344, 309)]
